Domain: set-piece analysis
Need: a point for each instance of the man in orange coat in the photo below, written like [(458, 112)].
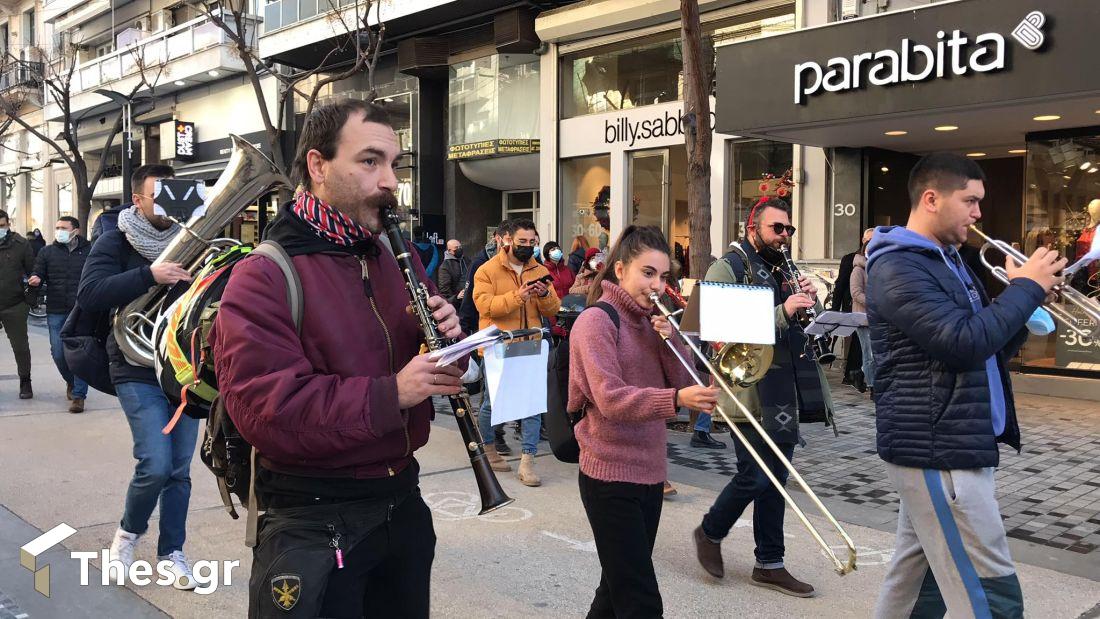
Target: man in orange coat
[(510, 292)]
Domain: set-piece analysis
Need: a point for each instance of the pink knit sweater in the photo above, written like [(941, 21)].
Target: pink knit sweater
[(626, 379)]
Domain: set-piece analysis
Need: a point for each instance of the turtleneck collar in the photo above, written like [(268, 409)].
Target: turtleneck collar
[(616, 296)]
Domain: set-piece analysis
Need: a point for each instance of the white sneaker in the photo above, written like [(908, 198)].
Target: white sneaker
[(122, 547), (181, 569)]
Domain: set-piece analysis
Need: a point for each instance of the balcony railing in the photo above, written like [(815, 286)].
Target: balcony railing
[(23, 73), (283, 13), (178, 42)]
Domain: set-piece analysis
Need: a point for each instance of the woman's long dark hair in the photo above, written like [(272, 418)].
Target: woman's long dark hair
[(632, 242)]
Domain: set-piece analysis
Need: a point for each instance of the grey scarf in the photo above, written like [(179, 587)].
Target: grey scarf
[(146, 239)]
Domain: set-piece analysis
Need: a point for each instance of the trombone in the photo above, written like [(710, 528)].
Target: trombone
[(841, 567), (1089, 306)]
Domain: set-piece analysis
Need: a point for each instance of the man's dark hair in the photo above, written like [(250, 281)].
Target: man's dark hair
[(72, 221), (523, 224), (506, 226), (149, 170), (944, 172), (757, 213), (3, 214), (322, 131)]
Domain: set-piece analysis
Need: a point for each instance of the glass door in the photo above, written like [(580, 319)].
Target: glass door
[(649, 186)]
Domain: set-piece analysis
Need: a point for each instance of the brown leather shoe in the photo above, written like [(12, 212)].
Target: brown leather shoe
[(782, 581), (496, 462), (77, 406), (709, 553)]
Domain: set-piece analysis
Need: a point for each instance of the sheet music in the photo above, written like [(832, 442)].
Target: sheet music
[(837, 324), (454, 352), (517, 382), (736, 313)]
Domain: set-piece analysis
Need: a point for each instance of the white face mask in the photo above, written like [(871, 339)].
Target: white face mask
[(3, 232), (63, 236)]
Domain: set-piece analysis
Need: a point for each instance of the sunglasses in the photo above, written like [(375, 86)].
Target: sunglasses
[(779, 228)]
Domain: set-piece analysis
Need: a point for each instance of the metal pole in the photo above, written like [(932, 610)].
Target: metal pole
[(127, 154)]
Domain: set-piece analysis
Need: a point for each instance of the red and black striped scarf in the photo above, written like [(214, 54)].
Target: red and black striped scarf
[(329, 223)]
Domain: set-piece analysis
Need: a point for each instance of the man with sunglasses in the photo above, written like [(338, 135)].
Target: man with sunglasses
[(794, 387)]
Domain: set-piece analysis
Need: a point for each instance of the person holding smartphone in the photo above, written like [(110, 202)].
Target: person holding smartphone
[(513, 291)]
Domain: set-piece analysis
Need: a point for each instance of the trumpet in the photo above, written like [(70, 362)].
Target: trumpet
[(840, 566), (1089, 306)]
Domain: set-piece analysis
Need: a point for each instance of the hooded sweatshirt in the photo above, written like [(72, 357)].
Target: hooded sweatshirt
[(889, 239)]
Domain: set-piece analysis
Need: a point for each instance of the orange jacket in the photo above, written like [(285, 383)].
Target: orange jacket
[(496, 295)]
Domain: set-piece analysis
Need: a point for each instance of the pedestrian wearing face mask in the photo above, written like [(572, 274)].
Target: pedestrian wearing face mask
[(58, 266), (16, 262), (510, 293), (555, 263), (452, 274), (590, 268)]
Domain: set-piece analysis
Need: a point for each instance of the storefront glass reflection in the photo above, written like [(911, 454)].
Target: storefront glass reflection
[(586, 200), (752, 162), (1062, 213)]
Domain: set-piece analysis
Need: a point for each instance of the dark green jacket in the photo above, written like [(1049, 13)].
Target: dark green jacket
[(16, 262)]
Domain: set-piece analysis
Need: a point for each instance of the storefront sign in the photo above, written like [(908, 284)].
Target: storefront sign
[(489, 148), (628, 131), (914, 63), (950, 55), (185, 141), (1074, 351)]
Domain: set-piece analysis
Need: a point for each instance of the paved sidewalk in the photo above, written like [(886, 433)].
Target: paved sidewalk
[(535, 558)]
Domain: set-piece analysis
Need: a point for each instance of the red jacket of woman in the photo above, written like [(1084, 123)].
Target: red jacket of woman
[(563, 276)]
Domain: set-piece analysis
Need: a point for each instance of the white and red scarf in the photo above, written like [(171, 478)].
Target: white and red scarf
[(329, 223)]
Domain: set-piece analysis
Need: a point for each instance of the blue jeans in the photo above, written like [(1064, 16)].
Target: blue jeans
[(750, 485), (163, 471), (530, 427), (55, 322), (868, 361), (704, 423)]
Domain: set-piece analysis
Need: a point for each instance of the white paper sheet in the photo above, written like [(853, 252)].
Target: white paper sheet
[(450, 354), (736, 313), (517, 384), (837, 324)]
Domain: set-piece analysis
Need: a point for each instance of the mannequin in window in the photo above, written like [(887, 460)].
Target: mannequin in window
[(1081, 279)]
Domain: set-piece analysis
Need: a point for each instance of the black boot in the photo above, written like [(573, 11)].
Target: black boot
[(25, 392), (703, 439), (498, 441)]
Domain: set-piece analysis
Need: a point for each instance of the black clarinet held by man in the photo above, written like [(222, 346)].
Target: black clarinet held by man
[(337, 411), (793, 388)]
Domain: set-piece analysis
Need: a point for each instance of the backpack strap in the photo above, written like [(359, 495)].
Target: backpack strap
[(611, 312), (294, 296)]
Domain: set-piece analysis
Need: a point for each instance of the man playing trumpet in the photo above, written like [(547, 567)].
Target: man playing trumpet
[(943, 398)]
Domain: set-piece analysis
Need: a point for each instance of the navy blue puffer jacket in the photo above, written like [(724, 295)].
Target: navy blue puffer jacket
[(932, 391)]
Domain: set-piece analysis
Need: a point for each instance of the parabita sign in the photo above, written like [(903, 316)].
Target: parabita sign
[(951, 54)]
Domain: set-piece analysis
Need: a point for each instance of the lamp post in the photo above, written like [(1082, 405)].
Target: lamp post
[(127, 146)]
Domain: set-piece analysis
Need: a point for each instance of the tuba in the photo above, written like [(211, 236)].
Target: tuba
[(248, 176)]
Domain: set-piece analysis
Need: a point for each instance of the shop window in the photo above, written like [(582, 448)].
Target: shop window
[(585, 197), (65, 199), (757, 168), (1062, 212), (635, 73), (658, 195), (38, 202), (494, 97)]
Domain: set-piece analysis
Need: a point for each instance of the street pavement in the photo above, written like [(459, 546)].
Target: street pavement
[(534, 558)]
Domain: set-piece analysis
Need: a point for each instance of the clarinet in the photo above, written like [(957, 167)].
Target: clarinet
[(817, 346), (492, 495)]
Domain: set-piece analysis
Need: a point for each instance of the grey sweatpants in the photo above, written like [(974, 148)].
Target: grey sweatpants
[(951, 553)]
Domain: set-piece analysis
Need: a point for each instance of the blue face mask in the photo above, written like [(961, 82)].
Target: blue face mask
[(538, 252), (1040, 322), (555, 254), (63, 236), (3, 232)]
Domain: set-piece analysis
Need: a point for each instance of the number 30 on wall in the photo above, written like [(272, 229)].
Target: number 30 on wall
[(844, 210)]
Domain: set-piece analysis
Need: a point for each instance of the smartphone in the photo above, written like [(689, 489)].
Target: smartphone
[(546, 279)]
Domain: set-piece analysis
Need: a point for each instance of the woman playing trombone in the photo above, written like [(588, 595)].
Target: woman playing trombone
[(627, 384)]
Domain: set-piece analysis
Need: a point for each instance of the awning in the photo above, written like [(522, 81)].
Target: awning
[(996, 70)]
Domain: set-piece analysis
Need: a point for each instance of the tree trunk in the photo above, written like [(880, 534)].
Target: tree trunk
[(697, 134)]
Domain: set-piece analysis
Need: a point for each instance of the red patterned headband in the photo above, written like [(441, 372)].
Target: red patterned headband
[(752, 213)]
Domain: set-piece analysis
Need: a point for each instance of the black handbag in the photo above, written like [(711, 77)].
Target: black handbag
[(84, 339)]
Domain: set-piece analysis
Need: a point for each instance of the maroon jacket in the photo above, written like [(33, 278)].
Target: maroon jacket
[(325, 404)]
